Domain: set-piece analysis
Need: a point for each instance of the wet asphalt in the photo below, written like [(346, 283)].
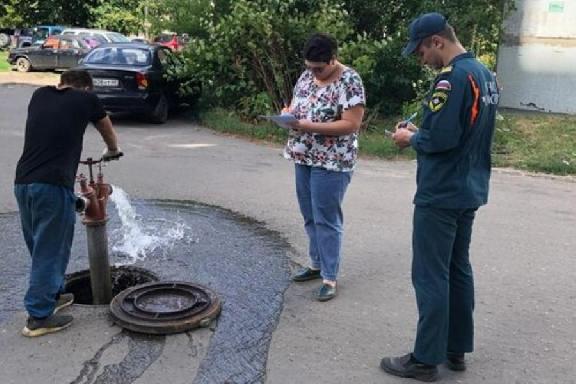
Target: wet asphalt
[(235, 256)]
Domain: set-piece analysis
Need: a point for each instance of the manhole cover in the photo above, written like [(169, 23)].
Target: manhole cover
[(165, 307)]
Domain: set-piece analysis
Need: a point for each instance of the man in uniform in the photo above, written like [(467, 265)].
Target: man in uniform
[(44, 189), (453, 149)]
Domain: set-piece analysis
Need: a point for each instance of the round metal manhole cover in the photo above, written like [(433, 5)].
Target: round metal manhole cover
[(165, 307)]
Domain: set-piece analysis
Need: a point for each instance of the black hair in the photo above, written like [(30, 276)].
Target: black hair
[(447, 33), (321, 48), (77, 78)]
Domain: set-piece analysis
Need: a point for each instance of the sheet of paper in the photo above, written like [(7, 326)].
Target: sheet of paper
[(282, 120)]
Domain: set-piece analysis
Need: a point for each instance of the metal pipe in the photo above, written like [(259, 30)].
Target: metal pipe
[(100, 277)]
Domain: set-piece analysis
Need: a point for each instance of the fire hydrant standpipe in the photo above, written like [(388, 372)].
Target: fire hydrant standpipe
[(94, 197), (100, 278)]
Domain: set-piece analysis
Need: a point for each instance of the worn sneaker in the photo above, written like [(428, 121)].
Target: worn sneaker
[(407, 366), (53, 323), (65, 300)]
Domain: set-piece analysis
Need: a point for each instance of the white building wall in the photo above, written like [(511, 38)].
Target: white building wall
[(537, 57)]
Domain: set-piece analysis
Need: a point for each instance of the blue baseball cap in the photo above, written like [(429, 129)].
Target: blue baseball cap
[(420, 28)]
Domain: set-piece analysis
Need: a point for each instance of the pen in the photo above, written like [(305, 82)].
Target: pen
[(404, 123), (409, 119)]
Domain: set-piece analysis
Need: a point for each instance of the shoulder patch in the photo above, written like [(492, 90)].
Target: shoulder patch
[(443, 85), (446, 69), (438, 100)]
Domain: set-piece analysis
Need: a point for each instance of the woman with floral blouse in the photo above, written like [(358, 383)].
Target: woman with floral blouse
[(328, 102)]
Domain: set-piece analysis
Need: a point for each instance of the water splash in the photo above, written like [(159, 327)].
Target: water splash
[(136, 239)]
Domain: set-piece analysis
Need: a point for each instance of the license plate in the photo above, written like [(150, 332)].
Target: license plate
[(105, 82)]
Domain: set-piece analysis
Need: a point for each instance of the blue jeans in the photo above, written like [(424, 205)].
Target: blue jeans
[(320, 194), (443, 281), (47, 216)]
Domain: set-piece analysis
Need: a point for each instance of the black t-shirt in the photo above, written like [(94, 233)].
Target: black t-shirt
[(57, 120)]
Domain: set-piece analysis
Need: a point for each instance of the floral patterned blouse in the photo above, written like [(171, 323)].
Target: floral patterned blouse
[(324, 104)]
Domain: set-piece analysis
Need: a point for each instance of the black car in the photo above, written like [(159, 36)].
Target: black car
[(57, 52), (129, 77)]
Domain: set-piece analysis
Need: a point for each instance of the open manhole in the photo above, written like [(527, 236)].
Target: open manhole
[(123, 277), (165, 307)]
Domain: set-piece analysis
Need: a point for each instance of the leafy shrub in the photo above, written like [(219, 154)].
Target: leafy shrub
[(246, 53)]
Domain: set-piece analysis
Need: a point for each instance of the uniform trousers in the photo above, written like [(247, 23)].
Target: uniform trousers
[(443, 281)]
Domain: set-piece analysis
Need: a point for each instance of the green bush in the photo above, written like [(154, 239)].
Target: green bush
[(246, 53), (249, 58)]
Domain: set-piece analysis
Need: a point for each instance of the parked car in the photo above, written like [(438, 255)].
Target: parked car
[(38, 34), (24, 37), (129, 77), (97, 34), (6, 36), (57, 52), (139, 40), (171, 40)]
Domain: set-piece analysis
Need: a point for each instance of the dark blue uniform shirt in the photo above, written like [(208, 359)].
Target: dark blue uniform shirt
[(454, 142)]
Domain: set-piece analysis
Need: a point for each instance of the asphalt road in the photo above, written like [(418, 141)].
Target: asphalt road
[(522, 251)]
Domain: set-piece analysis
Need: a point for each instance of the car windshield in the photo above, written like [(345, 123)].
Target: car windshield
[(41, 33), (117, 37), (118, 56)]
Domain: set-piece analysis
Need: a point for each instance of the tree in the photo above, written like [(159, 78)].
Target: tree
[(125, 16), (66, 12)]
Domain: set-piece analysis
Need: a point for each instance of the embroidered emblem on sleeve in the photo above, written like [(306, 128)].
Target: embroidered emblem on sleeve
[(437, 100)]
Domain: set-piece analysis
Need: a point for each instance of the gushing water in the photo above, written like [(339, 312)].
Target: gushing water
[(135, 239)]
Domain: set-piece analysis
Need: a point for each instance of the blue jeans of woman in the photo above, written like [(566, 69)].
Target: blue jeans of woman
[(47, 216), (320, 194)]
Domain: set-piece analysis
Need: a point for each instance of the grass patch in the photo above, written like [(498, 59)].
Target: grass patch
[(529, 141), (229, 122), (4, 66), (372, 142), (536, 142)]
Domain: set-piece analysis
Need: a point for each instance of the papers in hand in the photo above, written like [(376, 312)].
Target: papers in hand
[(282, 120)]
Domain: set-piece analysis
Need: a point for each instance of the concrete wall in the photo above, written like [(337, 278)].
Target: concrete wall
[(537, 56)]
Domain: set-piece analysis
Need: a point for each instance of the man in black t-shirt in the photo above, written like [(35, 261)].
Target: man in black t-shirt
[(44, 189)]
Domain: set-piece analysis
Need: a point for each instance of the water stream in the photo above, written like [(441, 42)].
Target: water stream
[(136, 238)]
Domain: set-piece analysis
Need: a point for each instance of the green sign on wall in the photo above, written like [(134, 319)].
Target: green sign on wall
[(556, 7)]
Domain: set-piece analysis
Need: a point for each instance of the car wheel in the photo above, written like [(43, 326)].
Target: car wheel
[(160, 113), (4, 40), (23, 64)]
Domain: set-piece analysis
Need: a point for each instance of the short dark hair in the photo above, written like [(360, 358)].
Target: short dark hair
[(447, 33), (77, 78), (320, 47)]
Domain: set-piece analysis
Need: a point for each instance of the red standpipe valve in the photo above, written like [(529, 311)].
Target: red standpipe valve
[(93, 196)]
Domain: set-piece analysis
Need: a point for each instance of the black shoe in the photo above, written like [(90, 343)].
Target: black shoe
[(306, 274), (65, 300), (326, 292), (407, 366), (456, 361), (53, 323)]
